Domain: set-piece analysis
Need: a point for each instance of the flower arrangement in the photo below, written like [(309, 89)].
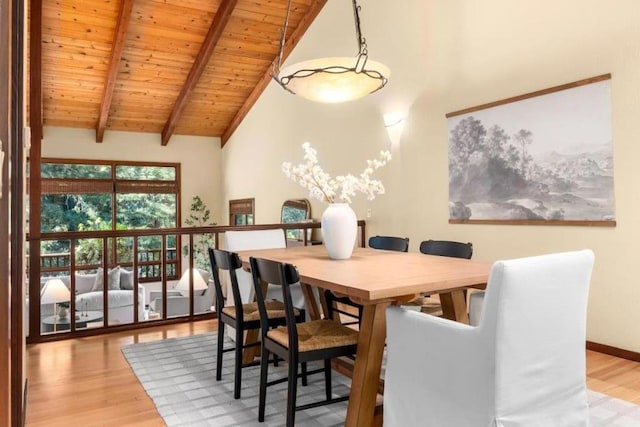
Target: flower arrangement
[(341, 188)]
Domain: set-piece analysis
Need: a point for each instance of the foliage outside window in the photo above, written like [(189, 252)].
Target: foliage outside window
[(81, 195), (200, 216)]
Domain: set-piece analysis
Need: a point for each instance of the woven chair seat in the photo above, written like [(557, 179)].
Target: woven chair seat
[(317, 335), (275, 310), (429, 305)]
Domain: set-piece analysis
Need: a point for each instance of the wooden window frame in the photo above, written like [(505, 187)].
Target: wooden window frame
[(239, 207), (113, 185)]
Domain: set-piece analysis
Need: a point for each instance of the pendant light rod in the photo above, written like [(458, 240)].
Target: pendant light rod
[(282, 36), (331, 79), (362, 42)]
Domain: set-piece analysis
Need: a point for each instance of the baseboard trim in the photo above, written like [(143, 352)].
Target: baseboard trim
[(613, 351)]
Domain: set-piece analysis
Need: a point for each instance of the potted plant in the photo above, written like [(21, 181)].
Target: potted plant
[(199, 216)]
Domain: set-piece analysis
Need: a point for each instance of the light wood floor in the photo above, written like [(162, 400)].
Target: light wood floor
[(87, 382)]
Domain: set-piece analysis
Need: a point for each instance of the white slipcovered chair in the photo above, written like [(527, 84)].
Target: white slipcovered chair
[(235, 241), (523, 365)]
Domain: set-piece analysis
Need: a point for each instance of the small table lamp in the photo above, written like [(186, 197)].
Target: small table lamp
[(198, 283), (55, 292)]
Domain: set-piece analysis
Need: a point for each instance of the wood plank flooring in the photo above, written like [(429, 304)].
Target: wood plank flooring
[(88, 382)]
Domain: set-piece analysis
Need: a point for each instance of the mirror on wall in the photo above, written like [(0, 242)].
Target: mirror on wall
[(295, 210)]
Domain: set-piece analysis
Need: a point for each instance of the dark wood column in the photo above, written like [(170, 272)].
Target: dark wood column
[(17, 237), (35, 156), (5, 307)]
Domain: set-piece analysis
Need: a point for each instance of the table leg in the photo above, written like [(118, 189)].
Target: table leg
[(366, 375), (310, 301), (251, 336), (454, 306), (250, 353)]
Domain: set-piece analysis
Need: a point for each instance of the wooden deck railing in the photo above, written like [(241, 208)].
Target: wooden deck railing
[(148, 263)]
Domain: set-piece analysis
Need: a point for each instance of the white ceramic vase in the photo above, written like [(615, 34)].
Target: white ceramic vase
[(63, 312), (339, 230)]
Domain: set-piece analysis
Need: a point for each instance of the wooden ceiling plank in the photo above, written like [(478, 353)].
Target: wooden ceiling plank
[(291, 43), (206, 50), (98, 8), (155, 62), (195, 5), (124, 17)]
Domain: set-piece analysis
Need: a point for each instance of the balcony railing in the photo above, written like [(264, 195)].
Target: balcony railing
[(149, 264), (133, 251)]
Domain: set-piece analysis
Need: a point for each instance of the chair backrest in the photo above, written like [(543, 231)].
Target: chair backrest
[(389, 243), (228, 261), (535, 315), (252, 240), (280, 274), (447, 248)]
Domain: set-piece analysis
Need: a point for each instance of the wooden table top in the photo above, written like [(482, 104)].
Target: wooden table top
[(373, 274)]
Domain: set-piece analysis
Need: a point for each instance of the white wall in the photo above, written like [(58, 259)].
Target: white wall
[(200, 158), (445, 56)]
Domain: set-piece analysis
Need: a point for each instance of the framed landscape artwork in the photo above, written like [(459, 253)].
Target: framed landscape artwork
[(540, 158)]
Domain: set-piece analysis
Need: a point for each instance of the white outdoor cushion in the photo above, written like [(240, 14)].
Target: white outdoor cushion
[(126, 279), (113, 279), (523, 365), (93, 300), (84, 282)]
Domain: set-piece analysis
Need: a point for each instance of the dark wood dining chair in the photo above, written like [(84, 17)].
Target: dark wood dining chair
[(389, 243), (448, 248), (242, 317), (343, 305), (296, 343)]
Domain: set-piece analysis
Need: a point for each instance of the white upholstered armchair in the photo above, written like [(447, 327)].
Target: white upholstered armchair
[(523, 365), (235, 241)]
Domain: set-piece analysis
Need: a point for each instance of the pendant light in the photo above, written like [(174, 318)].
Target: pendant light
[(332, 79)]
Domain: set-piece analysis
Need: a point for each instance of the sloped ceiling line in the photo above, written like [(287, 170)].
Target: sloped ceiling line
[(124, 16), (206, 50), (190, 64), (290, 44)]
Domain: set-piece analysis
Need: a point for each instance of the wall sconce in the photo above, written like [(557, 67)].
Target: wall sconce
[(394, 123)]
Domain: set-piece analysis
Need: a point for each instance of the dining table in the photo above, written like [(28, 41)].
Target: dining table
[(376, 279)]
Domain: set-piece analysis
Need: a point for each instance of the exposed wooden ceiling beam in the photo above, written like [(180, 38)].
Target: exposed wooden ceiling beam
[(206, 50), (124, 16), (262, 84)]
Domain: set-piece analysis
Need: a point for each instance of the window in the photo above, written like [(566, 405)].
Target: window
[(87, 195), (241, 211), (96, 195)]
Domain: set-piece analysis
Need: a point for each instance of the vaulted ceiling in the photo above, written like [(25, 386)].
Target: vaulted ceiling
[(190, 67)]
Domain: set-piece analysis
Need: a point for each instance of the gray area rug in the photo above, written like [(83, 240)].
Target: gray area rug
[(178, 374)]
